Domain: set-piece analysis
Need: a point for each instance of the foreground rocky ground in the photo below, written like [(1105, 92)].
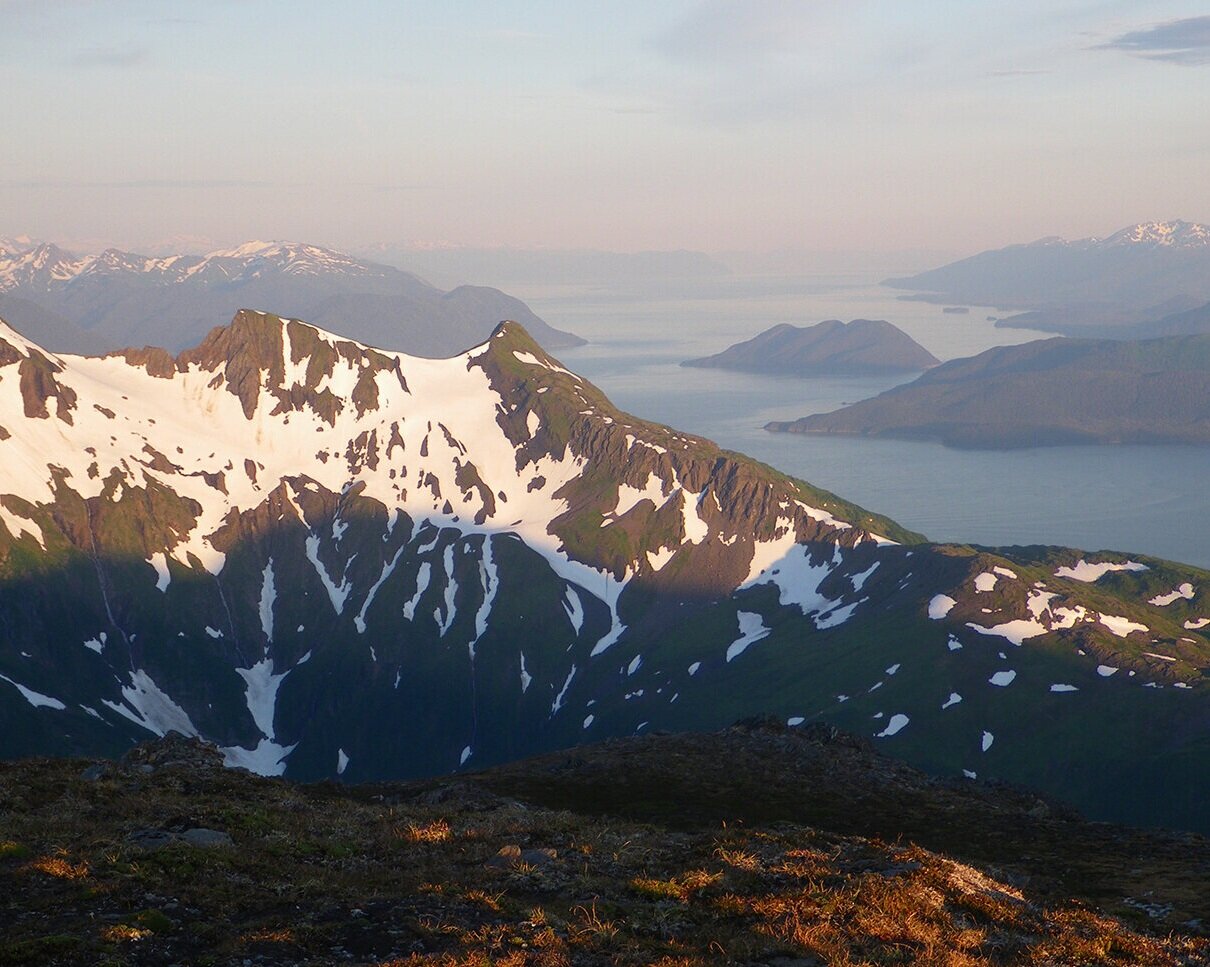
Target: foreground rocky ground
[(756, 845)]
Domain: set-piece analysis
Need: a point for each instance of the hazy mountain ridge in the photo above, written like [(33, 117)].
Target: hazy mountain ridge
[(1083, 287), (116, 298), (334, 560), (860, 347), (1049, 392)]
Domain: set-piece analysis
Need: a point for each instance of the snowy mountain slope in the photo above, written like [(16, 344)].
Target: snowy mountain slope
[(334, 560), (119, 298)]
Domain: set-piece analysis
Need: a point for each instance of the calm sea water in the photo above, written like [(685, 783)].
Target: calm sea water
[(1152, 500)]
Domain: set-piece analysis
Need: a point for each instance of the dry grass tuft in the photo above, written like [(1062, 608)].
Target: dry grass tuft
[(60, 868), (124, 933), (438, 831)]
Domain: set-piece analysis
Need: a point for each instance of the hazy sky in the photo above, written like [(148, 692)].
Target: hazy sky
[(815, 125)]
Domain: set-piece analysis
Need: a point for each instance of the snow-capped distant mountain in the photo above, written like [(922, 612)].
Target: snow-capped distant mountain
[(48, 266), (1167, 234), (1094, 287), (337, 561), (1176, 234), (120, 298)]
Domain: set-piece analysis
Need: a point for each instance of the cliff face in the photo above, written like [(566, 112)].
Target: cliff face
[(337, 561)]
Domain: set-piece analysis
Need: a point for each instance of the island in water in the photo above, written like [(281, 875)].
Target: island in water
[(863, 347), (1045, 393)]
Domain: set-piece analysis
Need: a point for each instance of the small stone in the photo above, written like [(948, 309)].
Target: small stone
[(506, 858), (93, 773), (206, 837), (150, 839), (539, 857)]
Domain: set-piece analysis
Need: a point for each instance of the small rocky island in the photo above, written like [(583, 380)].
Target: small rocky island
[(1044, 393), (863, 347)]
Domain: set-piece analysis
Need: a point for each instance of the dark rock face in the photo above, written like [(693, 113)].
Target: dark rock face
[(1050, 392), (863, 347)]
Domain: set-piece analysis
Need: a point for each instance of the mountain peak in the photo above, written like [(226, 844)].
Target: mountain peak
[(299, 365), (1175, 234)]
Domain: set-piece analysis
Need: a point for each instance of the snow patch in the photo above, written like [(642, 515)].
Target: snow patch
[(558, 702), (268, 596), (1003, 679), (797, 579), (897, 723), (1016, 631), (859, 580), (163, 578), (751, 629), (1058, 687), (153, 708), (940, 606), (337, 593), (422, 582), (36, 699), (954, 699), (1185, 591), (1121, 626), (1089, 573), (630, 497), (657, 559), (387, 570), (451, 589)]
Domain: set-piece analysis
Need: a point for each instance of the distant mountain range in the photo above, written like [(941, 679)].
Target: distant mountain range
[(1110, 287), (94, 303), (1053, 391), (863, 347), (335, 561)]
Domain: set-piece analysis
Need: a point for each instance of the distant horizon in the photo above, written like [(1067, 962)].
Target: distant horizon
[(846, 260)]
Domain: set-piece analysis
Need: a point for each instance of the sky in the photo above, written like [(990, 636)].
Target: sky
[(814, 126)]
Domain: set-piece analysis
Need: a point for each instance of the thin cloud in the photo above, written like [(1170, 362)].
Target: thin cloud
[(517, 35), (1020, 72), (404, 187), (1185, 42), (142, 185), (110, 57), (740, 30)]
